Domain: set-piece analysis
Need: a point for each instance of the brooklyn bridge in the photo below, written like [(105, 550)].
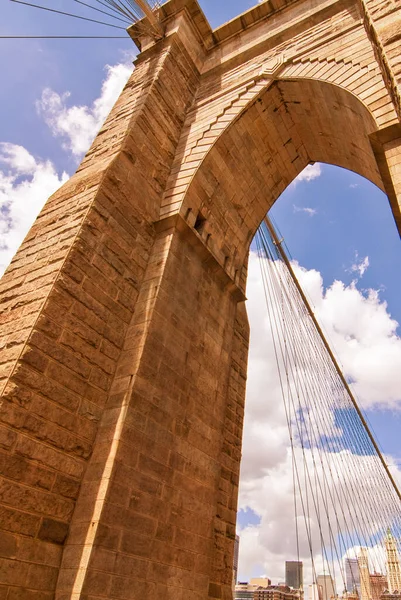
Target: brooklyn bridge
[(124, 330)]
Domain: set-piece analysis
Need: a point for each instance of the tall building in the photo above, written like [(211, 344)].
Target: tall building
[(392, 564), (353, 581), (294, 574), (378, 584), (363, 566), (315, 592), (235, 562), (327, 584)]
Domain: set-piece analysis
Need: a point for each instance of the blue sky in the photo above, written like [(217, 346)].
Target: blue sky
[(335, 223)]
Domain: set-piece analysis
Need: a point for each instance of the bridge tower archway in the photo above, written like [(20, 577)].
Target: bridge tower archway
[(125, 346)]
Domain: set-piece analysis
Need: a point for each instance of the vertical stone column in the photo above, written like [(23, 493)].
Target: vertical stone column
[(226, 510), (386, 144), (67, 305), (392, 152), (157, 508)]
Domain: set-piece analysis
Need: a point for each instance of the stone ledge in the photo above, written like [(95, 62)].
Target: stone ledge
[(386, 135), (211, 38)]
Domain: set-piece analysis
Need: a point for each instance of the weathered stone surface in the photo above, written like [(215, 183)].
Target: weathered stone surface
[(124, 337)]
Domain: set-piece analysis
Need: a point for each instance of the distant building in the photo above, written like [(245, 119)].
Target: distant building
[(327, 584), (386, 595), (277, 592), (262, 582), (350, 596), (392, 564), (315, 592), (245, 589), (294, 576), (235, 561), (353, 580), (364, 576), (378, 585)]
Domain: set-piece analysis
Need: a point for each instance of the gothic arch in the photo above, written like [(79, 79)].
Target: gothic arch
[(292, 123)]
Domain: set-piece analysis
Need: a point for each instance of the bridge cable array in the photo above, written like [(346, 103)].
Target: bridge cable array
[(345, 498), (127, 12)]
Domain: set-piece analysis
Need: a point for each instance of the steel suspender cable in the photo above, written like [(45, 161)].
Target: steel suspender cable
[(344, 481), (329, 351), (144, 14)]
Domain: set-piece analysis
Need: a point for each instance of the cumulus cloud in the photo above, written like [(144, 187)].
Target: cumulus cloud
[(310, 172), (78, 125), (25, 184), (360, 266), (365, 338), (309, 211), (363, 334), (26, 181)]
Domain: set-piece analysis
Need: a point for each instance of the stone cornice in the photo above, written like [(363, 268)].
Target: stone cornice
[(381, 57), (213, 38)]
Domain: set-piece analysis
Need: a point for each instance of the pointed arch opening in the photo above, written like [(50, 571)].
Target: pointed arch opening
[(293, 123)]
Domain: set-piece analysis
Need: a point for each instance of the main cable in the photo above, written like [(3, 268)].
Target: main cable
[(60, 12)]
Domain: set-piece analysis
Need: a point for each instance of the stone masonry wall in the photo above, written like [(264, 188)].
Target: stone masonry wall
[(68, 298), (124, 334)]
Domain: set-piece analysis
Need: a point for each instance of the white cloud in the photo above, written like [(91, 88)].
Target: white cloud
[(310, 172), (365, 338), (361, 266), (17, 158), (363, 335), (78, 125), (27, 182), (25, 185), (309, 211)]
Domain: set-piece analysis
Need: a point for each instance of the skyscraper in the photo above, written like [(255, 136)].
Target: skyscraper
[(353, 580), (393, 563), (363, 565), (294, 576)]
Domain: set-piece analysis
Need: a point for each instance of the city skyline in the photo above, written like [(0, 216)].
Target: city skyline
[(359, 582)]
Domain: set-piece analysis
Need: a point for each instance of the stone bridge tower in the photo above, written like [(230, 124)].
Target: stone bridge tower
[(124, 333)]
